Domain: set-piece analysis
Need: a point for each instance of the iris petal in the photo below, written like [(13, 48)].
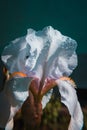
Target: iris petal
[(69, 98), (49, 53), (12, 98)]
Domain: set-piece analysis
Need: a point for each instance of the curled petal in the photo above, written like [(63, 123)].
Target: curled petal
[(69, 98), (39, 53)]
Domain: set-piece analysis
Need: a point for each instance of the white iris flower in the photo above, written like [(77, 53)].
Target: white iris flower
[(46, 55)]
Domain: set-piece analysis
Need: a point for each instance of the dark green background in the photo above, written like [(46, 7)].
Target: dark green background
[(68, 16)]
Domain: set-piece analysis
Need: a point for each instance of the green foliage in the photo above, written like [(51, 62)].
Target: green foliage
[(56, 116), (51, 112), (53, 118)]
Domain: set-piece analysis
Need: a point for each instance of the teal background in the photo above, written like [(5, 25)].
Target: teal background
[(68, 16)]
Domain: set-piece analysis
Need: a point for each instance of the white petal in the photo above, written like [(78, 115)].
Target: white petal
[(5, 58), (9, 125), (47, 49), (13, 55), (12, 98), (69, 98), (17, 90), (46, 98)]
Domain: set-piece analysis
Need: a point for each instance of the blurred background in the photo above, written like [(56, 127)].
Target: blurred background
[(68, 16)]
